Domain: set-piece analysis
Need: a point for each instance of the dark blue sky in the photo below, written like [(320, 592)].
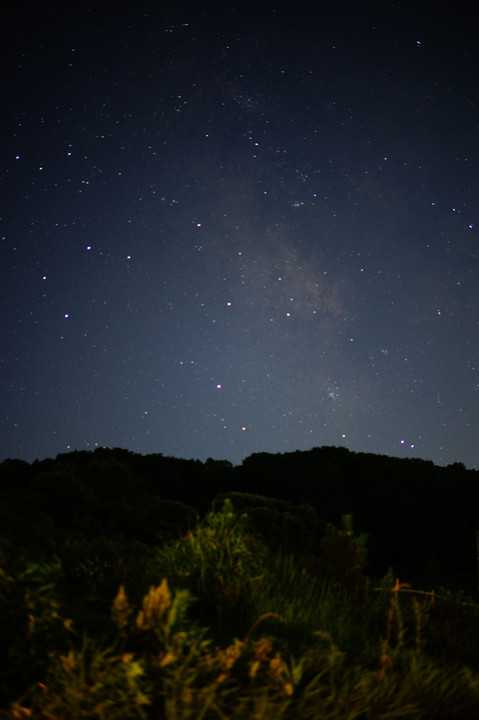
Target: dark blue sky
[(228, 231)]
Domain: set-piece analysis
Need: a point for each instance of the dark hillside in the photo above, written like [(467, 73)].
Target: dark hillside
[(420, 519)]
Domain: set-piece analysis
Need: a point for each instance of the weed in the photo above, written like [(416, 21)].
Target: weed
[(312, 646)]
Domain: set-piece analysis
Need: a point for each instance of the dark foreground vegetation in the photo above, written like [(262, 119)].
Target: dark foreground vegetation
[(321, 584)]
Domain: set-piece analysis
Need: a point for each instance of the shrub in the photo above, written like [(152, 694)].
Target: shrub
[(30, 624), (218, 560)]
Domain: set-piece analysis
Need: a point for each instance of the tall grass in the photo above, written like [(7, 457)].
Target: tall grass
[(286, 642)]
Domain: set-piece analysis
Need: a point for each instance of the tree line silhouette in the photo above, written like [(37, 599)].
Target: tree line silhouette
[(420, 519)]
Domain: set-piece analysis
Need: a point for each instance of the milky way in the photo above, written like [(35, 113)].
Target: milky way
[(227, 232)]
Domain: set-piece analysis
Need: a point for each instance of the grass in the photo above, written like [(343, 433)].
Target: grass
[(284, 640)]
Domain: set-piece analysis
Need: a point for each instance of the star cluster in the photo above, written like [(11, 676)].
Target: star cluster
[(229, 231)]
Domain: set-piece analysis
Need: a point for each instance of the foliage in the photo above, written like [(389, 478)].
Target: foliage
[(160, 665), (280, 524), (343, 554), (218, 559), (30, 624), (91, 682), (420, 519), (264, 612)]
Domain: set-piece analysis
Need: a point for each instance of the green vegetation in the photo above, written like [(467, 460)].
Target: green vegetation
[(119, 601)]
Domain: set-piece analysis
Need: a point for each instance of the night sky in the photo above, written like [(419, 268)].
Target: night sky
[(227, 231)]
